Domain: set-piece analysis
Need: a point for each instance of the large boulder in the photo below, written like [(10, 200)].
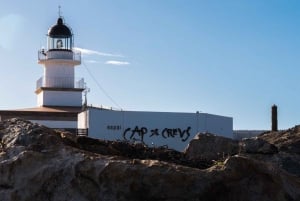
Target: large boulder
[(211, 147)]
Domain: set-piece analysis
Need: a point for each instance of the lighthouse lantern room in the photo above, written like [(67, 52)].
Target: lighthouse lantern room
[(60, 37), (58, 86)]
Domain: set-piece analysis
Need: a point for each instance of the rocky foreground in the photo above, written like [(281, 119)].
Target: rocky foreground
[(37, 163)]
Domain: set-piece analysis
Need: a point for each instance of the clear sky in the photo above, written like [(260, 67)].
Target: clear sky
[(234, 58)]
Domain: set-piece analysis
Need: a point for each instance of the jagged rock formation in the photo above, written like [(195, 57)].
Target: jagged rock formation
[(257, 146), (211, 147), (281, 148), (287, 153), (37, 163)]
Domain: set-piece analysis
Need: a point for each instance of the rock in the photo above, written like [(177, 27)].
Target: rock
[(287, 143), (37, 163), (287, 140), (257, 146), (211, 147), (243, 178)]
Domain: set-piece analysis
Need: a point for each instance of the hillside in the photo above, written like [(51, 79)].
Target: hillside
[(38, 163)]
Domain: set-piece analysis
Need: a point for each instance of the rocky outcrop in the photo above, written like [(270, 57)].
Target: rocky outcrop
[(280, 148), (257, 146), (286, 141), (211, 147), (37, 163)]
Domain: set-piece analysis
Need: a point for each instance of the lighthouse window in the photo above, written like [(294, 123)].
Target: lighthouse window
[(59, 44)]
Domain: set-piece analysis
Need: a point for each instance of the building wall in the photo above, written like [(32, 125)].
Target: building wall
[(59, 98), (217, 124), (153, 128), (56, 124), (58, 75), (82, 123)]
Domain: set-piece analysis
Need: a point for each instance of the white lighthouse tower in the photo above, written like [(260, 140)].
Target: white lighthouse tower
[(58, 86)]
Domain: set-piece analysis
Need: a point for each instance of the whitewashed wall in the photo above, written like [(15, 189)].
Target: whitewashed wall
[(56, 124), (59, 75), (154, 128), (59, 98)]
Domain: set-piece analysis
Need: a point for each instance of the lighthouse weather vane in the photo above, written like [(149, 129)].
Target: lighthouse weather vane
[(59, 11)]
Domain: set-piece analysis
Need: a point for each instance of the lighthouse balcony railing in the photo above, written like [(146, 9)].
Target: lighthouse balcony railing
[(60, 82), (73, 55)]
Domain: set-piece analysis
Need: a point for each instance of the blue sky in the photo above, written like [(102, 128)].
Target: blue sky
[(234, 58)]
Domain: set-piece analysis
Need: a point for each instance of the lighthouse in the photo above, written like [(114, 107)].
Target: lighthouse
[(58, 85), (58, 91)]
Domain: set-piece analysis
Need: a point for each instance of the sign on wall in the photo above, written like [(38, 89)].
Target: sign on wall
[(137, 133)]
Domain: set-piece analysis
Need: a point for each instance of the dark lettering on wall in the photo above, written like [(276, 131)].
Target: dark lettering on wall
[(183, 134), (154, 132), (137, 133), (113, 127)]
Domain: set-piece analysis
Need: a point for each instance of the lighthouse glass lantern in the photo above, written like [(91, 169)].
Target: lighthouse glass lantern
[(60, 37)]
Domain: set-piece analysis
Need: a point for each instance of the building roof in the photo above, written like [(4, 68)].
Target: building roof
[(43, 113), (52, 109), (60, 30)]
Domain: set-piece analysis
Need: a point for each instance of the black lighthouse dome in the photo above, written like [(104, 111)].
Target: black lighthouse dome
[(60, 37), (59, 30)]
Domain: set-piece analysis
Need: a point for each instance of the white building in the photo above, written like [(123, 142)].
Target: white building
[(152, 128)]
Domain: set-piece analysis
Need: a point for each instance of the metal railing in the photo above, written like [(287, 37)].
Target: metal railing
[(60, 82), (73, 55)]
